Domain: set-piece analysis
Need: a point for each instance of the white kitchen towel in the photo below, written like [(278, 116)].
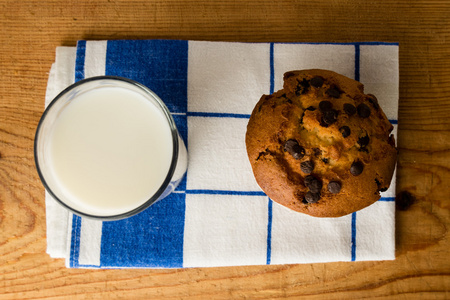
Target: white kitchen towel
[(218, 215)]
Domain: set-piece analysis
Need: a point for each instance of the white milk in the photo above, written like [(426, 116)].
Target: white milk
[(110, 151)]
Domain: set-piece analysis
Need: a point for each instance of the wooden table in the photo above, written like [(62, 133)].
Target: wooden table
[(29, 33)]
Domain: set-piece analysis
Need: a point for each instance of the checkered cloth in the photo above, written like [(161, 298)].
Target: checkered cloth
[(218, 215)]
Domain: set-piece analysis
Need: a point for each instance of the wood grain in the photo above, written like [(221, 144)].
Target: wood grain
[(31, 30)]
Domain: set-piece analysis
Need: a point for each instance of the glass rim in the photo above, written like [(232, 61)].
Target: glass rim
[(175, 144)]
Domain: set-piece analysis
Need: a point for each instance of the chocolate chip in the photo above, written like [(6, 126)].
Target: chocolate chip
[(363, 141), (356, 168), (302, 87), (345, 130), (304, 83), (333, 92), (383, 190), (316, 82), (323, 124), (373, 100), (294, 149), (311, 108), (309, 179), (325, 160), (289, 144), (349, 109), (313, 184), (330, 117), (363, 110), (334, 187), (311, 197), (404, 200), (307, 166), (325, 105)]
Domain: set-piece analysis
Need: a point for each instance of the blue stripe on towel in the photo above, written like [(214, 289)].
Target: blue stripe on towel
[(161, 65), (272, 69), (79, 62), (217, 115), (353, 223), (394, 122), (233, 115), (269, 233), (75, 241), (76, 220), (269, 207), (357, 58), (223, 192), (153, 238), (387, 199), (354, 236)]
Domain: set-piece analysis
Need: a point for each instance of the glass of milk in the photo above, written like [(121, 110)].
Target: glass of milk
[(108, 148)]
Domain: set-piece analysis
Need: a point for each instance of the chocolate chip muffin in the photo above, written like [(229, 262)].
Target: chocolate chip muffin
[(321, 146)]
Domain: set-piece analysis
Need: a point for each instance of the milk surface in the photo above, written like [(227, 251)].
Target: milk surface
[(110, 151)]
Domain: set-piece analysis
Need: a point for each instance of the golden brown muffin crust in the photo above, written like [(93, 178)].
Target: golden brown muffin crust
[(321, 146)]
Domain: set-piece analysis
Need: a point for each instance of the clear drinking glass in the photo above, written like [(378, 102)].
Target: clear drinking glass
[(92, 178)]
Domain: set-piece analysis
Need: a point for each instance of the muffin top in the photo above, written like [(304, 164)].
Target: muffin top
[(321, 146)]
